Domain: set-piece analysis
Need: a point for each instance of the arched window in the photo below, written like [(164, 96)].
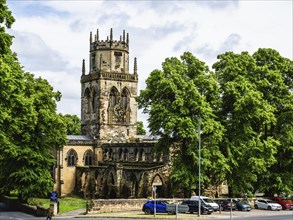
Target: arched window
[(125, 104), (87, 100), (141, 155), (124, 99), (94, 101), (120, 154), (125, 154), (136, 154), (114, 96), (113, 101), (71, 158), (88, 158)]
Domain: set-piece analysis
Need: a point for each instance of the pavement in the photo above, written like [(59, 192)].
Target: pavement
[(74, 213)]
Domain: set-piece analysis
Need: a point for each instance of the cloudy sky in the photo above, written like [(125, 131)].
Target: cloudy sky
[(52, 37)]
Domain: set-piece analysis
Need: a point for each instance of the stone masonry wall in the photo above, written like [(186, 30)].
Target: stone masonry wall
[(119, 205)]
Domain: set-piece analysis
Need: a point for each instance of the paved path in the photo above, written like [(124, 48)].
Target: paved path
[(74, 213)]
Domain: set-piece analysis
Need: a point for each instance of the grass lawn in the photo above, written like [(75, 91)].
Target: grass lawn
[(66, 204)]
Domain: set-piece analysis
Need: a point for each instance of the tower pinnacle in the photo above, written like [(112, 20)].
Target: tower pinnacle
[(135, 66), (111, 34), (97, 34), (83, 67)]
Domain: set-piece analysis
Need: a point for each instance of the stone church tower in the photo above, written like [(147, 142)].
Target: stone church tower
[(108, 159), (108, 92)]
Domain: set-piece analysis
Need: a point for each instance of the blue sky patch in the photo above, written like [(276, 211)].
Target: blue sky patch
[(34, 9)]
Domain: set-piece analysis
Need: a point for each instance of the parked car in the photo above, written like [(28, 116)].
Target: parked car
[(162, 206), (193, 207), (207, 201), (267, 204), (242, 206), (286, 203), (225, 204)]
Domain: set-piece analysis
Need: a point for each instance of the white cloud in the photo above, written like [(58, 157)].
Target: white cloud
[(52, 37), (34, 54)]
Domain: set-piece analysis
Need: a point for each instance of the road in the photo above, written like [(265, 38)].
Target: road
[(6, 214), (11, 215)]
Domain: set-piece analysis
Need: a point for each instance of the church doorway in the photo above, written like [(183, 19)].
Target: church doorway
[(157, 187), (134, 186)]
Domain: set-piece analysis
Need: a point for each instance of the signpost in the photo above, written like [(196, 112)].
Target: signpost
[(53, 209), (53, 196), (231, 209), (155, 189)]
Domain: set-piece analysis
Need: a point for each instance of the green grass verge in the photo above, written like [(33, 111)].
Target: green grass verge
[(71, 203), (66, 204)]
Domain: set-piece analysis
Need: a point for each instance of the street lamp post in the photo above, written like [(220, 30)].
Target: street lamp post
[(199, 140)]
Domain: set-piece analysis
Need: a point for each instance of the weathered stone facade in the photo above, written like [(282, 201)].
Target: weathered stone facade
[(109, 160)]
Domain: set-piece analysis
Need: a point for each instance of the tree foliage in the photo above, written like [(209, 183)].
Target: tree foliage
[(29, 125), (275, 81), (175, 98), (257, 102), (72, 123), (140, 128), (246, 112)]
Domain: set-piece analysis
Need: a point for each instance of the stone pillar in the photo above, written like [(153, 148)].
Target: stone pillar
[(119, 177), (53, 209)]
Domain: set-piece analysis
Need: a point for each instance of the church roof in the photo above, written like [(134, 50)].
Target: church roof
[(79, 137), (147, 138)]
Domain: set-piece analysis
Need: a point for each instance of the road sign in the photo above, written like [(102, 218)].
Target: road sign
[(53, 196)]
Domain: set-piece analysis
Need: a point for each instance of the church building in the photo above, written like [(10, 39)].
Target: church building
[(109, 160)]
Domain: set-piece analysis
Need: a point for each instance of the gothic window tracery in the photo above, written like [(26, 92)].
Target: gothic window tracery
[(71, 158), (125, 102), (113, 101), (114, 94), (119, 106), (88, 158)]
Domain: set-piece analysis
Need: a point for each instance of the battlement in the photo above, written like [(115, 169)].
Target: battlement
[(109, 55), (109, 43)]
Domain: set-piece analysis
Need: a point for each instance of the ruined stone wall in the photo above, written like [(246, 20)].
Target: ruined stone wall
[(125, 176)]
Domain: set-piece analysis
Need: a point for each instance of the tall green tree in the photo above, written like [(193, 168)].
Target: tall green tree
[(175, 98), (251, 95), (29, 125), (274, 79)]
